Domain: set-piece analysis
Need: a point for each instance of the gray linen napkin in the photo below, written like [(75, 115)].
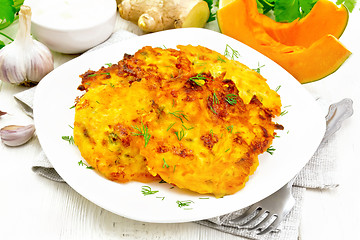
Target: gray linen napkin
[(318, 173)]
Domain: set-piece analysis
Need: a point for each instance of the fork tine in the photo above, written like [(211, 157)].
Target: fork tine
[(262, 223), (245, 215), (254, 219), (273, 226)]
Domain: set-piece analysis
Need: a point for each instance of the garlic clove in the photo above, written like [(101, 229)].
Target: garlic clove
[(25, 61), (14, 135)]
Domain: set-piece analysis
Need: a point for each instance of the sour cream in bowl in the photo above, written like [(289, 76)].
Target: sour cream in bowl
[(72, 26)]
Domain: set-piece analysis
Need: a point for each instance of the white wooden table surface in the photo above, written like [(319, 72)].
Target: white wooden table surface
[(32, 207)]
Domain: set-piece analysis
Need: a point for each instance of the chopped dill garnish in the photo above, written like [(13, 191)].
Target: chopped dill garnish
[(185, 203), (230, 128), (211, 108), (170, 126), (277, 88), (227, 150), (108, 64), (146, 190), (174, 168), (198, 79), (271, 150), (215, 99), (258, 68), (165, 164), (143, 131), (180, 135), (283, 113), (162, 198), (71, 126), (70, 139), (96, 74), (73, 106), (231, 99), (187, 128), (211, 133), (204, 198), (180, 115), (233, 53), (81, 163), (220, 59)]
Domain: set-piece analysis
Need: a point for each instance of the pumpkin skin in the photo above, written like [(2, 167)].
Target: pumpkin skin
[(308, 57)]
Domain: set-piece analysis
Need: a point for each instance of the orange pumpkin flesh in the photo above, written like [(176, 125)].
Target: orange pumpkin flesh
[(314, 56), (325, 18)]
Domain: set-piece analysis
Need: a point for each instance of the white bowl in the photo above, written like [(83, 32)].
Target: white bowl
[(72, 26)]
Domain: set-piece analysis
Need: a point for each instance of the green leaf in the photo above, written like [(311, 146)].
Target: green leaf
[(7, 13), (306, 6), (287, 10), (2, 44), (264, 6), (350, 4), (212, 16), (17, 4)]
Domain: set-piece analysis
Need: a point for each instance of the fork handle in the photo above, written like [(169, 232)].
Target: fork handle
[(338, 112)]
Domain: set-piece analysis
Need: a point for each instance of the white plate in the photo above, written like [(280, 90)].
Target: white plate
[(304, 129)]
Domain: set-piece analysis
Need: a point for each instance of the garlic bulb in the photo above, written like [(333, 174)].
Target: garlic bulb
[(25, 61), (14, 135)]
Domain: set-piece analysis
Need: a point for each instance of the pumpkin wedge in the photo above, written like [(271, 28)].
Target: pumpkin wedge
[(307, 61), (325, 18)]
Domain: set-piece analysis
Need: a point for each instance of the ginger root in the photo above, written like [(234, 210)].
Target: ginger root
[(158, 15)]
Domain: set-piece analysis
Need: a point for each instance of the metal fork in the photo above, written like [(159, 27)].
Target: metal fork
[(267, 214)]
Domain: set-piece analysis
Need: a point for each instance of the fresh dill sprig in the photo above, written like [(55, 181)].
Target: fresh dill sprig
[(230, 128), (277, 88), (283, 113), (70, 139), (143, 131), (215, 99), (234, 53), (258, 68), (180, 115), (221, 60), (146, 190), (185, 203), (198, 79), (187, 128), (270, 150), (170, 126), (231, 99), (165, 164), (211, 108), (180, 135), (81, 163)]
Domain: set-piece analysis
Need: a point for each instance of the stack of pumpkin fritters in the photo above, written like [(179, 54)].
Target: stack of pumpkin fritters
[(190, 117)]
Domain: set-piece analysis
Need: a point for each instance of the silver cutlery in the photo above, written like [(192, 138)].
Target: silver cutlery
[(266, 215)]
